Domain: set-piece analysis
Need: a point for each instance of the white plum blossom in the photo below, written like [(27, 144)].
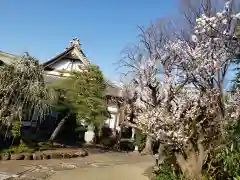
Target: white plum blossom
[(174, 110), (188, 109), (213, 46), (194, 37)]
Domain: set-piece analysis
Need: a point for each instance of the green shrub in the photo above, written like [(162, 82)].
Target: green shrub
[(18, 149), (236, 178), (16, 129), (228, 162), (108, 142), (168, 172)]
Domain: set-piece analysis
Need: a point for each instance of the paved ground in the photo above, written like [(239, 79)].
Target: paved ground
[(134, 171), (102, 166), (116, 172)]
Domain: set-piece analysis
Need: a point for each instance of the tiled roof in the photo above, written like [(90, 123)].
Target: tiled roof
[(112, 88)]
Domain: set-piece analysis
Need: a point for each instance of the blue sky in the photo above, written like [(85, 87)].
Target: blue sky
[(44, 28)]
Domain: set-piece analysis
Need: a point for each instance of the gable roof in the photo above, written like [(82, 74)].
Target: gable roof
[(74, 46), (111, 90), (58, 57)]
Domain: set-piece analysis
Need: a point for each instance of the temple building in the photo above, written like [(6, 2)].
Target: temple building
[(72, 59)]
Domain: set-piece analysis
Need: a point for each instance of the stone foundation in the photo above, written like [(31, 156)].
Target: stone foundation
[(43, 155)]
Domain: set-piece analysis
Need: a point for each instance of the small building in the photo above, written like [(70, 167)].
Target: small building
[(73, 59)]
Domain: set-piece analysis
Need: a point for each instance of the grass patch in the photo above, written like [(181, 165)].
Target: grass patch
[(18, 149), (31, 147)]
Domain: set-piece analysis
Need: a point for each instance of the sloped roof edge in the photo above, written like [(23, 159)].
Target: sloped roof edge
[(55, 59)]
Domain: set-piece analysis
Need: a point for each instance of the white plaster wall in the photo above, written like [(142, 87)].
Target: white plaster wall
[(76, 65), (67, 65), (64, 64), (111, 121), (113, 109)]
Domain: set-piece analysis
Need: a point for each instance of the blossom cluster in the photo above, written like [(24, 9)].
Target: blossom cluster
[(213, 48), (182, 112)]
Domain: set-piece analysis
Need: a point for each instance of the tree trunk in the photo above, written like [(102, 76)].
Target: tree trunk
[(58, 128), (97, 132), (148, 146), (161, 156), (129, 124), (191, 164)]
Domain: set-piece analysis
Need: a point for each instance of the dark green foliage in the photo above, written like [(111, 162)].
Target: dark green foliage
[(19, 149), (126, 146), (140, 141), (83, 94), (16, 129), (108, 142), (227, 160), (168, 172)]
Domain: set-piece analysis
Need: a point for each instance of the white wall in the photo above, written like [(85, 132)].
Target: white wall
[(113, 109), (64, 64), (111, 121)]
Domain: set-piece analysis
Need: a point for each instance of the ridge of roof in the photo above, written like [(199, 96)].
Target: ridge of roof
[(75, 43)]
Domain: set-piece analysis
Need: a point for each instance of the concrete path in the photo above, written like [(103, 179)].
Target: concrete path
[(4, 176), (134, 167), (115, 172), (99, 166)]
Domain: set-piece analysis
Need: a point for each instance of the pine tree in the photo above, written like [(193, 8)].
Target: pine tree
[(82, 94)]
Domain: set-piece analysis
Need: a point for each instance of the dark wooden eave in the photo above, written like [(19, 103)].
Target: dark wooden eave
[(58, 57)]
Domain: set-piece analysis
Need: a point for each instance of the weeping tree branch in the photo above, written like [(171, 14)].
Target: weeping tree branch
[(23, 95)]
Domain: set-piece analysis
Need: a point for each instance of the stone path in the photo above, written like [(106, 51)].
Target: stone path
[(117, 166)]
